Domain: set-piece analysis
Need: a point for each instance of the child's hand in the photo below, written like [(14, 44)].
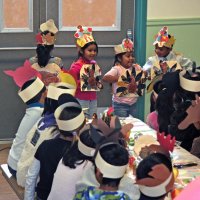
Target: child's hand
[(92, 81), (132, 86)]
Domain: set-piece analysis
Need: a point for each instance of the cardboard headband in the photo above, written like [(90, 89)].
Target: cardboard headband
[(31, 91), (71, 124), (84, 149), (156, 191), (189, 85), (54, 91), (125, 46), (108, 170)]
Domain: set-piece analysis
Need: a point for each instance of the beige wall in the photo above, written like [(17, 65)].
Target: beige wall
[(170, 9)]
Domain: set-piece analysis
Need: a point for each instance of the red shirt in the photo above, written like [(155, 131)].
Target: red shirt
[(75, 70)]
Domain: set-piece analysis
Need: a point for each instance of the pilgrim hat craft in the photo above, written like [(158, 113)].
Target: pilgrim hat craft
[(135, 77), (89, 72)]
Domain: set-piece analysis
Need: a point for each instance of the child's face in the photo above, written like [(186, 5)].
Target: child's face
[(127, 60), (162, 51), (90, 52)]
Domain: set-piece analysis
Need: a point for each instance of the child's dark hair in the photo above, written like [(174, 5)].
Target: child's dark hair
[(164, 107), (82, 49), (43, 54), (146, 165), (116, 155), (67, 114), (73, 156), (36, 98)]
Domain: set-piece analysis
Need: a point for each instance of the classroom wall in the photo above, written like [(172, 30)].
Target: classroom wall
[(183, 20)]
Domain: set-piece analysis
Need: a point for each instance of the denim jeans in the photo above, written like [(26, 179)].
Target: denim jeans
[(91, 105), (124, 110)]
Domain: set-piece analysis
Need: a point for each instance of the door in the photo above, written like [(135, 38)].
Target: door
[(110, 21)]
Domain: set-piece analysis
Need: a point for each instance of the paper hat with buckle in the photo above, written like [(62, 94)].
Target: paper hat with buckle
[(108, 170), (163, 39), (83, 36), (49, 26), (158, 183), (83, 148), (125, 46), (189, 85), (32, 90), (68, 101)]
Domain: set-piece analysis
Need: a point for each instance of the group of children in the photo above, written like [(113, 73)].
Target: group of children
[(55, 154)]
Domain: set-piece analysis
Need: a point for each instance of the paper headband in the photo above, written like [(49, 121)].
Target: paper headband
[(156, 191), (125, 46), (72, 124), (189, 85), (32, 90), (87, 151), (54, 91), (108, 170), (83, 36), (162, 38), (49, 26)]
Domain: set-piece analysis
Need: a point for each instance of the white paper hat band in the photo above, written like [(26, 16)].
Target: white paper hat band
[(54, 92), (87, 151), (32, 90), (189, 85), (72, 124), (108, 170), (156, 191)]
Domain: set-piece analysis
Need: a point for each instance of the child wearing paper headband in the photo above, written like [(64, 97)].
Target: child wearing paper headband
[(44, 129), (71, 167), (111, 163), (33, 93), (165, 60), (155, 177), (126, 78), (86, 71), (189, 87), (70, 119), (44, 62)]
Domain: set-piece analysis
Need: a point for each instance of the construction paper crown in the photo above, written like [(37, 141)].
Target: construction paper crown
[(69, 79), (167, 142), (49, 26), (158, 183), (125, 46), (163, 39), (83, 36)]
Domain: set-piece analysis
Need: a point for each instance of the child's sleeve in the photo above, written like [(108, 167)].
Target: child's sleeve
[(31, 180), (148, 65), (112, 75), (185, 63)]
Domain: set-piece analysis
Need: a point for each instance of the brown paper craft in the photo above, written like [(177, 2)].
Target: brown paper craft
[(90, 71)]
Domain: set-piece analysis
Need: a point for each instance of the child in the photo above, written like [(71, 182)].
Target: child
[(33, 93), (165, 60), (124, 77), (71, 167), (48, 65), (70, 118), (86, 71), (155, 177), (110, 165), (189, 87), (44, 129)]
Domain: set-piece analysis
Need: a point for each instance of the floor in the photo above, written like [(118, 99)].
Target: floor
[(6, 192)]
